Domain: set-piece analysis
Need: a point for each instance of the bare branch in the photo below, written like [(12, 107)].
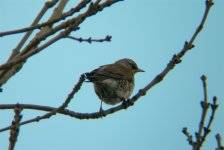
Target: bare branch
[(14, 128), (205, 105), (56, 14), (219, 142), (17, 49), (90, 40), (189, 137), (80, 6), (207, 129), (203, 130), (46, 6), (97, 115), (208, 4), (31, 49), (55, 110), (176, 59)]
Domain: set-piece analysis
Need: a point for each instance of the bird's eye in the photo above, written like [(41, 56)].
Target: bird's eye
[(134, 66)]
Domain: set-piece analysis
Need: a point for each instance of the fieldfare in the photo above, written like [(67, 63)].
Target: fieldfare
[(114, 83)]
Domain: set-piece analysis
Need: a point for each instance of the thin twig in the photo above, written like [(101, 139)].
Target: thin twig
[(46, 6), (17, 49), (90, 40), (219, 142), (14, 128), (81, 5), (189, 137), (203, 130), (56, 14), (176, 59), (55, 110), (69, 26), (63, 106), (208, 4), (96, 115), (205, 105), (207, 129)]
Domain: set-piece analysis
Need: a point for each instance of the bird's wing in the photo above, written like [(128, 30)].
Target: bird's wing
[(110, 71)]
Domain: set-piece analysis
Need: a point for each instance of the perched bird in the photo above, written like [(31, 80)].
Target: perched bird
[(114, 83)]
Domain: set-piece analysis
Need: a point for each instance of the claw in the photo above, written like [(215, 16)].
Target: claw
[(127, 103)]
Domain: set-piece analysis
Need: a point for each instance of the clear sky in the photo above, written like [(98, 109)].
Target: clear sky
[(147, 31)]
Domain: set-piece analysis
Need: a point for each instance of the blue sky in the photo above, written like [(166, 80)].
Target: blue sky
[(149, 32)]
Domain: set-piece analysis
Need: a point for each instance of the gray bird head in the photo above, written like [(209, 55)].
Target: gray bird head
[(129, 64)]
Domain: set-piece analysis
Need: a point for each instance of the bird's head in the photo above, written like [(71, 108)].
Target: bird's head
[(130, 64)]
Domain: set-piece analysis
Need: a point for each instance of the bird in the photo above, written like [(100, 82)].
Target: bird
[(114, 83)]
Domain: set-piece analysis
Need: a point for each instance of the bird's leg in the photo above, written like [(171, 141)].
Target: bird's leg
[(101, 108), (102, 114)]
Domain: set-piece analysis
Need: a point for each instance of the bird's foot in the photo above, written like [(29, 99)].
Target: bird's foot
[(102, 113), (127, 103)]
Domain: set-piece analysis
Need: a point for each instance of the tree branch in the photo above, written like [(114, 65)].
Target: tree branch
[(219, 142), (207, 129), (200, 138), (80, 6), (54, 110), (176, 59), (205, 105), (14, 128), (67, 27), (8, 72), (90, 40), (56, 14), (46, 6)]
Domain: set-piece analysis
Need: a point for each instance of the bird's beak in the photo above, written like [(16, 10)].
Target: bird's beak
[(140, 70)]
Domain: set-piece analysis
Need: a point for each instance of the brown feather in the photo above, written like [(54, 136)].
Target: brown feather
[(113, 71)]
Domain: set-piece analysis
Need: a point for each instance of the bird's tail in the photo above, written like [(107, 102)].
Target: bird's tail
[(88, 76)]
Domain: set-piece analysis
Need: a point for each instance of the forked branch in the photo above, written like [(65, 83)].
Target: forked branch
[(203, 129)]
